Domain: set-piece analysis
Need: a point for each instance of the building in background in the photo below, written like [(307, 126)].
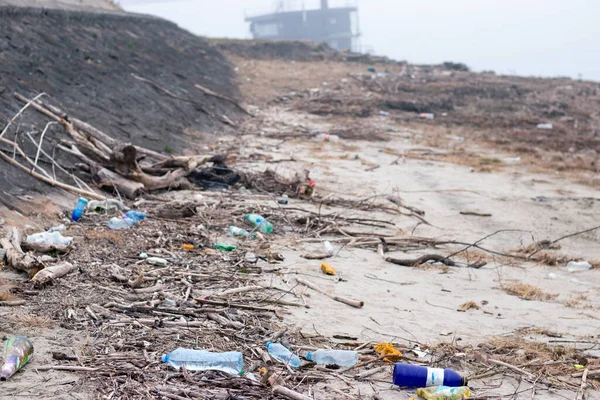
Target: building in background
[(290, 20)]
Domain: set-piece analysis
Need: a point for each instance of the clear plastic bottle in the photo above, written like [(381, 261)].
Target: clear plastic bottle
[(324, 137), (127, 221), (50, 238), (328, 247), (79, 209), (575, 266), (260, 222), (444, 393), (235, 231), (342, 358), (282, 354), (230, 362)]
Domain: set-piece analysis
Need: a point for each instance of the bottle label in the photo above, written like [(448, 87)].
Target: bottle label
[(435, 377)]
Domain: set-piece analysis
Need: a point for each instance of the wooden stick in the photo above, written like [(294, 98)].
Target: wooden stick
[(13, 119), (209, 92), (350, 302), (512, 367), (239, 290), (290, 394), (73, 368), (224, 321), (581, 391), (233, 305), (12, 303), (51, 273), (151, 289), (15, 256), (370, 372)]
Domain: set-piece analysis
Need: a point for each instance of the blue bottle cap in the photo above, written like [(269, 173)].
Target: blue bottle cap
[(165, 358), (309, 356), (268, 344)]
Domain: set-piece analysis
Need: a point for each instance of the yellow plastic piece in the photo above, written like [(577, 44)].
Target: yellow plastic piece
[(327, 269), (444, 393), (388, 349), (188, 247)]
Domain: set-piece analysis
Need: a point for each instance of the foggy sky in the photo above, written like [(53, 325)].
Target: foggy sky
[(524, 37)]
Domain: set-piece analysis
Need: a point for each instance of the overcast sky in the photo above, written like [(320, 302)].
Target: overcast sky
[(524, 37)]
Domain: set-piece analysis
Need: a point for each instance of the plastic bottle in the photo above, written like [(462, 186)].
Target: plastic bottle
[(17, 353), (427, 116), (79, 209), (235, 231), (200, 360), (444, 393), (258, 221), (343, 358), (328, 247), (575, 266), (109, 206), (417, 376), (282, 354), (127, 221), (224, 246), (50, 238)]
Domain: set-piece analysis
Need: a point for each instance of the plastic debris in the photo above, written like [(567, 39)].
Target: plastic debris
[(188, 247), (544, 126), (251, 258), (160, 262), (284, 200), (130, 219), (58, 228), (328, 247), (575, 266), (79, 209), (427, 116), (283, 354), (327, 269), (388, 349), (17, 353), (342, 358), (200, 360), (324, 137), (109, 206), (444, 393), (50, 238), (417, 376), (235, 231), (224, 246), (259, 222)]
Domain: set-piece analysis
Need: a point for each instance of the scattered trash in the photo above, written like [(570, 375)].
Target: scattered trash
[(108, 206), (50, 238), (130, 219), (575, 266), (327, 269), (283, 200), (160, 262), (79, 209), (444, 393), (427, 116), (282, 354), (224, 246), (511, 160), (143, 255), (58, 228), (323, 137), (342, 358), (372, 70), (551, 275), (235, 231), (387, 349), (328, 247), (421, 353), (188, 247), (259, 222), (544, 126), (383, 113), (200, 360), (417, 376), (17, 353)]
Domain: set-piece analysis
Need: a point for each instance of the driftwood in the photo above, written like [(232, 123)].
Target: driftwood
[(15, 256), (350, 302), (46, 248), (51, 273), (421, 260), (125, 187), (289, 393), (209, 92)]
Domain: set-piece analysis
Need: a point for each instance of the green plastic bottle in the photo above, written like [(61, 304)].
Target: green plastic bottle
[(258, 221), (224, 246), (235, 231), (444, 393), (17, 353)]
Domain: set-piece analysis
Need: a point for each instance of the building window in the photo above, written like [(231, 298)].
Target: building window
[(268, 29)]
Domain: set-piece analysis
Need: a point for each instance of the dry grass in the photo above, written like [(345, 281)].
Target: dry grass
[(31, 321), (469, 305), (5, 290), (528, 292)]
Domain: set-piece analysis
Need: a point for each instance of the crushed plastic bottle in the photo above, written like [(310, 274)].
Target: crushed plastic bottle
[(283, 354), (444, 393), (130, 219), (544, 126), (224, 246), (427, 116), (259, 222), (57, 228), (79, 209), (17, 353), (200, 360), (284, 200), (342, 358), (417, 376), (50, 238), (328, 247), (324, 137), (108, 206), (235, 231), (575, 266), (159, 262)]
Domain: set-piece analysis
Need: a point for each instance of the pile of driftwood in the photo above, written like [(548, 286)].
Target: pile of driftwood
[(124, 168)]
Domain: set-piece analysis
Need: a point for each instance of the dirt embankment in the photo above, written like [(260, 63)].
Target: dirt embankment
[(133, 77), (106, 5)]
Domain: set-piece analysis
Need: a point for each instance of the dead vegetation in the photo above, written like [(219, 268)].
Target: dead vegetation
[(528, 292)]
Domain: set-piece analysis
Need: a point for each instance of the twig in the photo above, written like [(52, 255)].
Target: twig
[(421, 260), (561, 238), (37, 155), (512, 367), (350, 302), (581, 391), (20, 112)]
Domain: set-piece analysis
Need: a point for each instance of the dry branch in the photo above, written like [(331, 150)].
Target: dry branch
[(421, 260), (290, 394), (51, 273), (350, 302), (15, 256)]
